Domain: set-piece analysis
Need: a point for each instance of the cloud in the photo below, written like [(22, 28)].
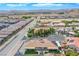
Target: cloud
[(39, 1), (15, 5), (46, 4)]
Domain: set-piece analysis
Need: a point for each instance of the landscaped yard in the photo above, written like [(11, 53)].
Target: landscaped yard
[(71, 53), (30, 52), (54, 51), (40, 32)]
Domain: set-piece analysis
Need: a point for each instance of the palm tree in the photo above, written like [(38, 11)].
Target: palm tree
[(73, 25), (52, 30), (66, 23)]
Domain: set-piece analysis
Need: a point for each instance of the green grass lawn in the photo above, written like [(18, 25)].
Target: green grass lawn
[(30, 52), (54, 51), (71, 53)]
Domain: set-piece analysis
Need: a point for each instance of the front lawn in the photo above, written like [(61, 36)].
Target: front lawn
[(71, 53), (30, 51), (54, 51)]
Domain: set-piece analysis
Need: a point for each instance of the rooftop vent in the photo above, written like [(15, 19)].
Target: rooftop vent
[(41, 41)]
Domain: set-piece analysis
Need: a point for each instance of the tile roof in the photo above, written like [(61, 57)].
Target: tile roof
[(40, 43), (73, 41)]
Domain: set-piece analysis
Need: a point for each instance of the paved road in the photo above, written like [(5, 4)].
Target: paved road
[(13, 46)]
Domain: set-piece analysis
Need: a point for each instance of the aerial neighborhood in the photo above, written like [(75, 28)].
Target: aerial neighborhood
[(39, 32)]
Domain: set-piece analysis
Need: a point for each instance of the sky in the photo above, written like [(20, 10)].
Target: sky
[(38, 6), (39, 1)]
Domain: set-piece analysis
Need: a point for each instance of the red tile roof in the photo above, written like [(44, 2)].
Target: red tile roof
[(74, 42), (40, 43)]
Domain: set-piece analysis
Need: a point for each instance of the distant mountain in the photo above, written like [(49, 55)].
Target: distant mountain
[(62, 11)]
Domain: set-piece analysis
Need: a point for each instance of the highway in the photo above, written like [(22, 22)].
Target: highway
[(17, 41)]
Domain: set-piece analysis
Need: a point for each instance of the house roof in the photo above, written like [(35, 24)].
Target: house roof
[(59, 38), (73, 41), (3, 36), (72, 33), (5, 32), (32, 44)]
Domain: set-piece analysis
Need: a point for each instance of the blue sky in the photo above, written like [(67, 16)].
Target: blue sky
[(38, 6)]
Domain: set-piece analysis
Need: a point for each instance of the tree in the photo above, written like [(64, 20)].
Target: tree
[(40, 32), (52, 30), (71, 53), (73, 27), (61, 13), (74, 21), (77, 34), (29, 35), (66, 23), (26, 17)]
